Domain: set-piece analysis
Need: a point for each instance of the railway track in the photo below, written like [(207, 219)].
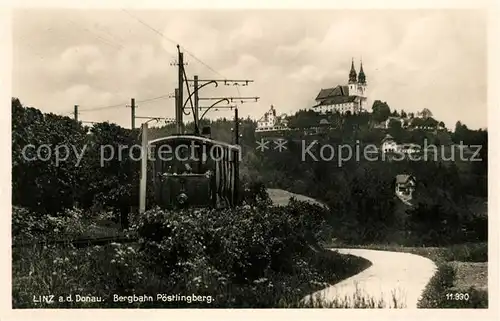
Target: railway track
[(82, 242)]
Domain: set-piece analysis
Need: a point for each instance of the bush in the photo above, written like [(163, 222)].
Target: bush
[(440, 291), (471, 252), (30, 227), (50, 187), (45, 186), (62, 270), (247, 257)]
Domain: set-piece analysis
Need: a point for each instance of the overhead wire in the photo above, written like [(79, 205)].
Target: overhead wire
[(151, 28), (124, 104), (176, 43), (99, 37)]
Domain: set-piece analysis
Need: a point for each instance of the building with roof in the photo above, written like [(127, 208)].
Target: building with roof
[(271, 122), (405, 186), (389, 145), (344, 98)]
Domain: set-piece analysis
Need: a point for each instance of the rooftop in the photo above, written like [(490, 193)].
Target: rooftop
[(404, 178)]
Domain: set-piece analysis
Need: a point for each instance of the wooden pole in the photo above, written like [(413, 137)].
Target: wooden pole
[(144, 169), (196, 107), (76, 113), (132, 107), (177, 111), (237, 160)]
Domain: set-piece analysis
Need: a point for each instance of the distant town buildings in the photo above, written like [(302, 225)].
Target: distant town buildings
[(389, 145), (410, 122), (344, 98), (404, 121), (271, 122)]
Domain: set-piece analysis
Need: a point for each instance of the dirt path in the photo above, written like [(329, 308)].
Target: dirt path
[(282, 197), (398, 275), (393, 275)]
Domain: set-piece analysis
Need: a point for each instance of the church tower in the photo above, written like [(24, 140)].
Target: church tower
[(361, 92), (353, 80)]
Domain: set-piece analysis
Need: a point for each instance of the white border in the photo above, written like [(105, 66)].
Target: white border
[(304, 314)]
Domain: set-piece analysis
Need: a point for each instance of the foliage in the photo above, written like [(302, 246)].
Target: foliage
[(437, 293), (252, 257), (39, 182), (171, 238), (439, 221), (62, 270), (91, 170), (29, 226), (380, 111)]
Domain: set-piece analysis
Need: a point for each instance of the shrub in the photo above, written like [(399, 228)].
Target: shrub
[(470, 252), (251, 256), (99, 271), (29, 226), (50, 187), (441, 286), (44, 186)]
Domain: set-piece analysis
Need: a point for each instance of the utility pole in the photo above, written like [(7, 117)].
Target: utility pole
[(237, 160), (132, 107), (144, 168), (180, 99), (196, 108), (236, 127), (76, 113), (177, 112)]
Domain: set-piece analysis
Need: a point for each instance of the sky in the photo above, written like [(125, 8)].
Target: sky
[(413, 59)]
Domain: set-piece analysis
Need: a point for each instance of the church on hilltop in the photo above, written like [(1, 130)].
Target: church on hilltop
[(344, 98)]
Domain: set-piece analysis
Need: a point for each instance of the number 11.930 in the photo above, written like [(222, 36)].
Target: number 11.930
[(457, 296)]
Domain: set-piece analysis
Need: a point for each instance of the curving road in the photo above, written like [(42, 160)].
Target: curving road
[(398, 275), (392, 274)]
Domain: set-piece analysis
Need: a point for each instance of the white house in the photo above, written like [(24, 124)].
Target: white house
[(399, 119), (405, 186), (271, 122), (389, 145)]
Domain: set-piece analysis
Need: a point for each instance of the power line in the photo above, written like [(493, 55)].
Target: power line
[(173, 42), (104, 107), (151, 28), (103, 40), (155, 98), (125, 103)]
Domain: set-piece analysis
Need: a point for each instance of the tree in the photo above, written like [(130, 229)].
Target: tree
[(426, 113), (430, 122), (395, 129), (403, 114), (393, 123), (460, 133), (381, 111)]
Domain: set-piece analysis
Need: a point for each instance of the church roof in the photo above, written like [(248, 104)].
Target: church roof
[(361, 75), (336, 100), (352, 74), (334, 91)]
